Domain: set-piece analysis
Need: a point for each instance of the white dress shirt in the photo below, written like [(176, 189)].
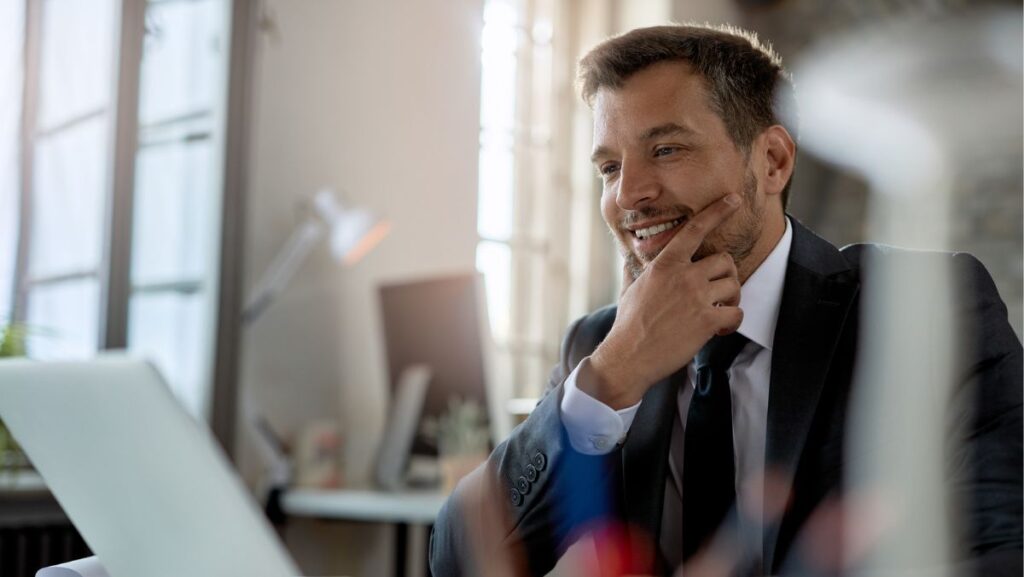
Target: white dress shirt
[(595, 428)]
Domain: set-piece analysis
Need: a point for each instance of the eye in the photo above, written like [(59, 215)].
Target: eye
[(665, 150), (609, 168)]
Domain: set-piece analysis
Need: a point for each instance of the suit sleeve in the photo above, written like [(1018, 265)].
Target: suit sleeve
[(519, 512), (987, 463)]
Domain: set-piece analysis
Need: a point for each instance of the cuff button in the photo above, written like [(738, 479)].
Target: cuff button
[(517, 497)]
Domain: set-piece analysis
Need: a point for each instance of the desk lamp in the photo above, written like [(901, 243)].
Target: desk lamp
[(352, 232)]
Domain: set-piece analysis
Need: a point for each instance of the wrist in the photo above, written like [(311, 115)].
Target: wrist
[(611, 381)]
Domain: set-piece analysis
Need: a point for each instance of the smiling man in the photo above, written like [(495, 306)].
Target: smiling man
[(699, 425)]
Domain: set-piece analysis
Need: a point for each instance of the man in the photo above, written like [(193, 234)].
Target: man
[(701, 423)]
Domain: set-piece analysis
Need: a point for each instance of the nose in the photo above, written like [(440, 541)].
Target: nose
[(637, 185)]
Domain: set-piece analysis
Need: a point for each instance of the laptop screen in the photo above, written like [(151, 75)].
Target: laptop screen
[(146, 485)]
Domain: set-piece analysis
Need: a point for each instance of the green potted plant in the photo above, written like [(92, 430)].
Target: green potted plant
[(461, 435), (12, 344)]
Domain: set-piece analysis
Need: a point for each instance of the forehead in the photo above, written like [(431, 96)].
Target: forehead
[(666, 92)]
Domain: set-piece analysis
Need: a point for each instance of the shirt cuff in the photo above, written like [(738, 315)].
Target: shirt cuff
[(593, 427)]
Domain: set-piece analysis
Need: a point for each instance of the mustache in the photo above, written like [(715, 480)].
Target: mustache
[(650, 212)]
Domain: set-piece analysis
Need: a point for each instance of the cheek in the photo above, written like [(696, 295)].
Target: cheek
[(609, 210)]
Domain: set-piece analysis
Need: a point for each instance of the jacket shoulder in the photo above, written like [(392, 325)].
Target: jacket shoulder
[(586, 333), (581, 338)]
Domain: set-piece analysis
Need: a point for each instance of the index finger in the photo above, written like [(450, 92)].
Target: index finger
[(684, 245)]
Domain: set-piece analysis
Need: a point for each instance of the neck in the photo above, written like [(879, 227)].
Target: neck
[(771, 233)]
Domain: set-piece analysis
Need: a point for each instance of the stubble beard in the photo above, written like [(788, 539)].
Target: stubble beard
[(739, 244)]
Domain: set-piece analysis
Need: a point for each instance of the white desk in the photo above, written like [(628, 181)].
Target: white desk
[(400, 508), (412, 507)]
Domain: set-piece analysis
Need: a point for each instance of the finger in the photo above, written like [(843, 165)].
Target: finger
[(718, 265), (684, 245), (725, 291), (727, 319)]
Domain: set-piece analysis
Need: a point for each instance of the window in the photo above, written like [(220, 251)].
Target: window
[(176, 205), (12, 28), (543, 248), (122, 151), (67, 117), (519, 203), (496, 208)]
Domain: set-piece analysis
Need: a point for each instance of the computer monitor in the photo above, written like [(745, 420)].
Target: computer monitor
[(442, 322)]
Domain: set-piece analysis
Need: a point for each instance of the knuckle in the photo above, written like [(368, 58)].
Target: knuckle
[(695, 226), (657, 267)]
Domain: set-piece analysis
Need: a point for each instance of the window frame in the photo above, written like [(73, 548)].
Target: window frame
[(113, 272)]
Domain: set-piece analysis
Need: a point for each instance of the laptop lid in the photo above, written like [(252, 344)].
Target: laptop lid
[(146, 485)]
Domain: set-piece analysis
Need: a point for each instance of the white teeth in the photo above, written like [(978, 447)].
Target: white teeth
[(656, 229)]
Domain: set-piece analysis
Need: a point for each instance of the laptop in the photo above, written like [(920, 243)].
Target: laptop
[(145, 484)]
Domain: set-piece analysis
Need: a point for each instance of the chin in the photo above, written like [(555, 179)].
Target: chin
[(634, 266)]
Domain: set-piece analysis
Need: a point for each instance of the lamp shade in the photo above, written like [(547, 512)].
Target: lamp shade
[(353, 232)]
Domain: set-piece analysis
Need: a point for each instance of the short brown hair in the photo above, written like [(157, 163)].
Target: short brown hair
[(747, 85)]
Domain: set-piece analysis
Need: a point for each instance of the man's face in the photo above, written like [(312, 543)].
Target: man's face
[(664, 155)]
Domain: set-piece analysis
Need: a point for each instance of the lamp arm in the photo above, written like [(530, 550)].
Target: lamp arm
[(283, 268)]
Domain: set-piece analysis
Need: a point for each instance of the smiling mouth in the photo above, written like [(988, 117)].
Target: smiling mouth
[(645, 233)]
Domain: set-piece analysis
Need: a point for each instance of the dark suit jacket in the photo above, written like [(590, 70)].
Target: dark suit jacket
[(550, 493)]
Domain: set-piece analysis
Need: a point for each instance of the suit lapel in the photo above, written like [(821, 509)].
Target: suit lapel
[(818, 291)]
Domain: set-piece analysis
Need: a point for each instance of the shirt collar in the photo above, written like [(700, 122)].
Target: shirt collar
[(761, 295)]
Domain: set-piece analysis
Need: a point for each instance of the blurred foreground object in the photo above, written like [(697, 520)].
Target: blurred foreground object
[(912, 105), (144, 482)]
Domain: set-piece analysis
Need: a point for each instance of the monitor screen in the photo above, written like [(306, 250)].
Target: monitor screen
[(439, 322)]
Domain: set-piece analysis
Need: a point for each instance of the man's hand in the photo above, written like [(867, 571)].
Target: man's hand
[(668, 313)]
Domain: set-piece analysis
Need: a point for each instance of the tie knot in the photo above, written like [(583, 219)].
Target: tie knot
[(720, 352)]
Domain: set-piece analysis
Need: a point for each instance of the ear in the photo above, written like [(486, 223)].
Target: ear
[(778, 156)]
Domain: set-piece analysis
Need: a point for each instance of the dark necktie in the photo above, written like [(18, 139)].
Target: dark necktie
[(709, 469)]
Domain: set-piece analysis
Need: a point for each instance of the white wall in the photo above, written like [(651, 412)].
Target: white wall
[(638, 13), (379, 98), (713, 11)]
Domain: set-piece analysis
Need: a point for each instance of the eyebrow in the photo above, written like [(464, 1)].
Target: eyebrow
[(667, 129)]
